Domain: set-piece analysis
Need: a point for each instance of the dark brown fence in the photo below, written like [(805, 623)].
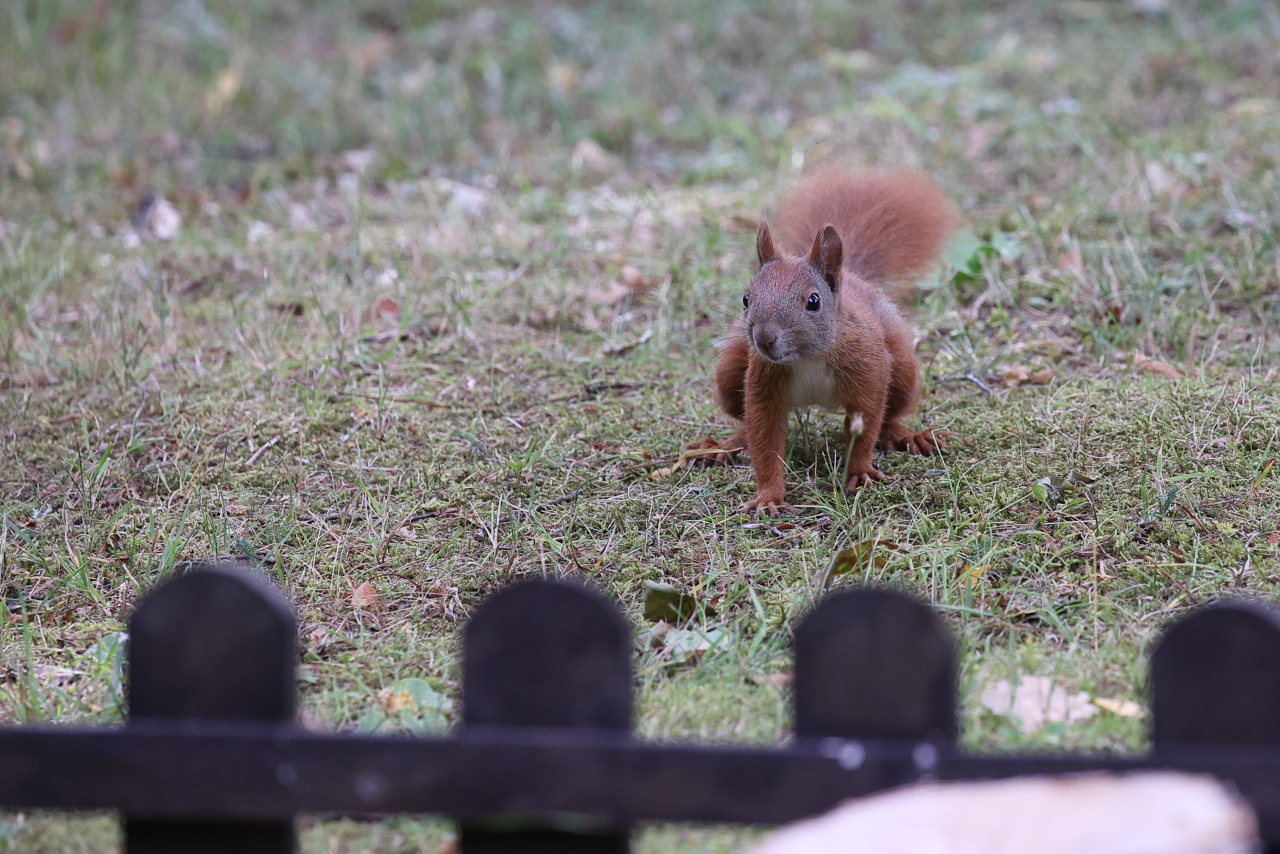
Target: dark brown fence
[(211, 760)]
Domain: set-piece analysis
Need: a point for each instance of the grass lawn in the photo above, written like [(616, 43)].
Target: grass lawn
[(442, 306)]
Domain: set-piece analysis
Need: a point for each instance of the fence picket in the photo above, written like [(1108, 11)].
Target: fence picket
[(213, 643), (875, 664), (1215, 680), (547, 654)]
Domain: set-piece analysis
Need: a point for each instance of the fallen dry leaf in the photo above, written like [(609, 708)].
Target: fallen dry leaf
[(156, 217), (365, 596), (691, 454), (618, 349), (74, 416), (1253, 107), (1071, 262), (1143, 362), (979, 138), (590, 160), (664, 603), (257, 232), (463, 200), (681, 646), (861, 556), (293, 307), (225, 88), (1161, 181), (634, 279), (1123, 708), (394, 702), (1035, 701), (973, 574), (1016, 375), (563, 77), (57, 675), (609, 294), (300, 218), (778, 680), (372, 51), (739, 224), (358, 160)]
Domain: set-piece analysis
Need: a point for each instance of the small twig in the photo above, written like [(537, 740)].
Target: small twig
[(262, 450), (369, 517), (563, 499), (414, 580), (433, 514), (389, 399), (979, 383), (661, 460), (590, 391), (971, 378), (332, 517), (430, 514), (682, 461)]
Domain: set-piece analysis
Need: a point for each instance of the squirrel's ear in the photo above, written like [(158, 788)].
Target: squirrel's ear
[(764, 244), (827, 255)]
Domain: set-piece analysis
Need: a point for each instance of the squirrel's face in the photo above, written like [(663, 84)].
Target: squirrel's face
[(790, 307)]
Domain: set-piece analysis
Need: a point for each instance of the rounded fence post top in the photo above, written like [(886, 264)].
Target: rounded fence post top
[(547, 653), (875, 663), (214, 642), (224, 581)]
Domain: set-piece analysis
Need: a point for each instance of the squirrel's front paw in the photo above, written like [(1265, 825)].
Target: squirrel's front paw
[(865, 477), (767, 505), (713, 453)]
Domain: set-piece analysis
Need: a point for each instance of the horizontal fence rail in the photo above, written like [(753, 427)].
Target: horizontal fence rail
[(255, 773), (210, 758)]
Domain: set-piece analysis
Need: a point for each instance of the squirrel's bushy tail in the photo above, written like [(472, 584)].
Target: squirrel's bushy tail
[(892, 224)]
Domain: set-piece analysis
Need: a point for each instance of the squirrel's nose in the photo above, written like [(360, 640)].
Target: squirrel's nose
[(764, 339)]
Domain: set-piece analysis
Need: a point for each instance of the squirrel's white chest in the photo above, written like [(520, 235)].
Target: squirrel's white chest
[(812, 385)]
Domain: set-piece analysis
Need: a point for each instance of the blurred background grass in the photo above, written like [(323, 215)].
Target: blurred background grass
[(189, 97)]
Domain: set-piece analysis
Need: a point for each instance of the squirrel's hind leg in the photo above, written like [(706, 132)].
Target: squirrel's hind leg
[(904, 391), (894, 436)]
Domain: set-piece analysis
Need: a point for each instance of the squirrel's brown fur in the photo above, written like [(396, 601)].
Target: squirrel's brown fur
[(815, 328), (892, 223)]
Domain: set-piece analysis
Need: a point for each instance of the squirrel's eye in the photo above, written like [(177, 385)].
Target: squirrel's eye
[(814, 303), (744, 301)]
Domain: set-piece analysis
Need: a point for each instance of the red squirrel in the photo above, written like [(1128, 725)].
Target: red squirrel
[(816, 328)]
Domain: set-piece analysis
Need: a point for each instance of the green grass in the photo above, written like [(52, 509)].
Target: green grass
[(319, 356)]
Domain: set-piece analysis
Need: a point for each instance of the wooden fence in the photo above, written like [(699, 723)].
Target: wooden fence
[(212, 760)]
